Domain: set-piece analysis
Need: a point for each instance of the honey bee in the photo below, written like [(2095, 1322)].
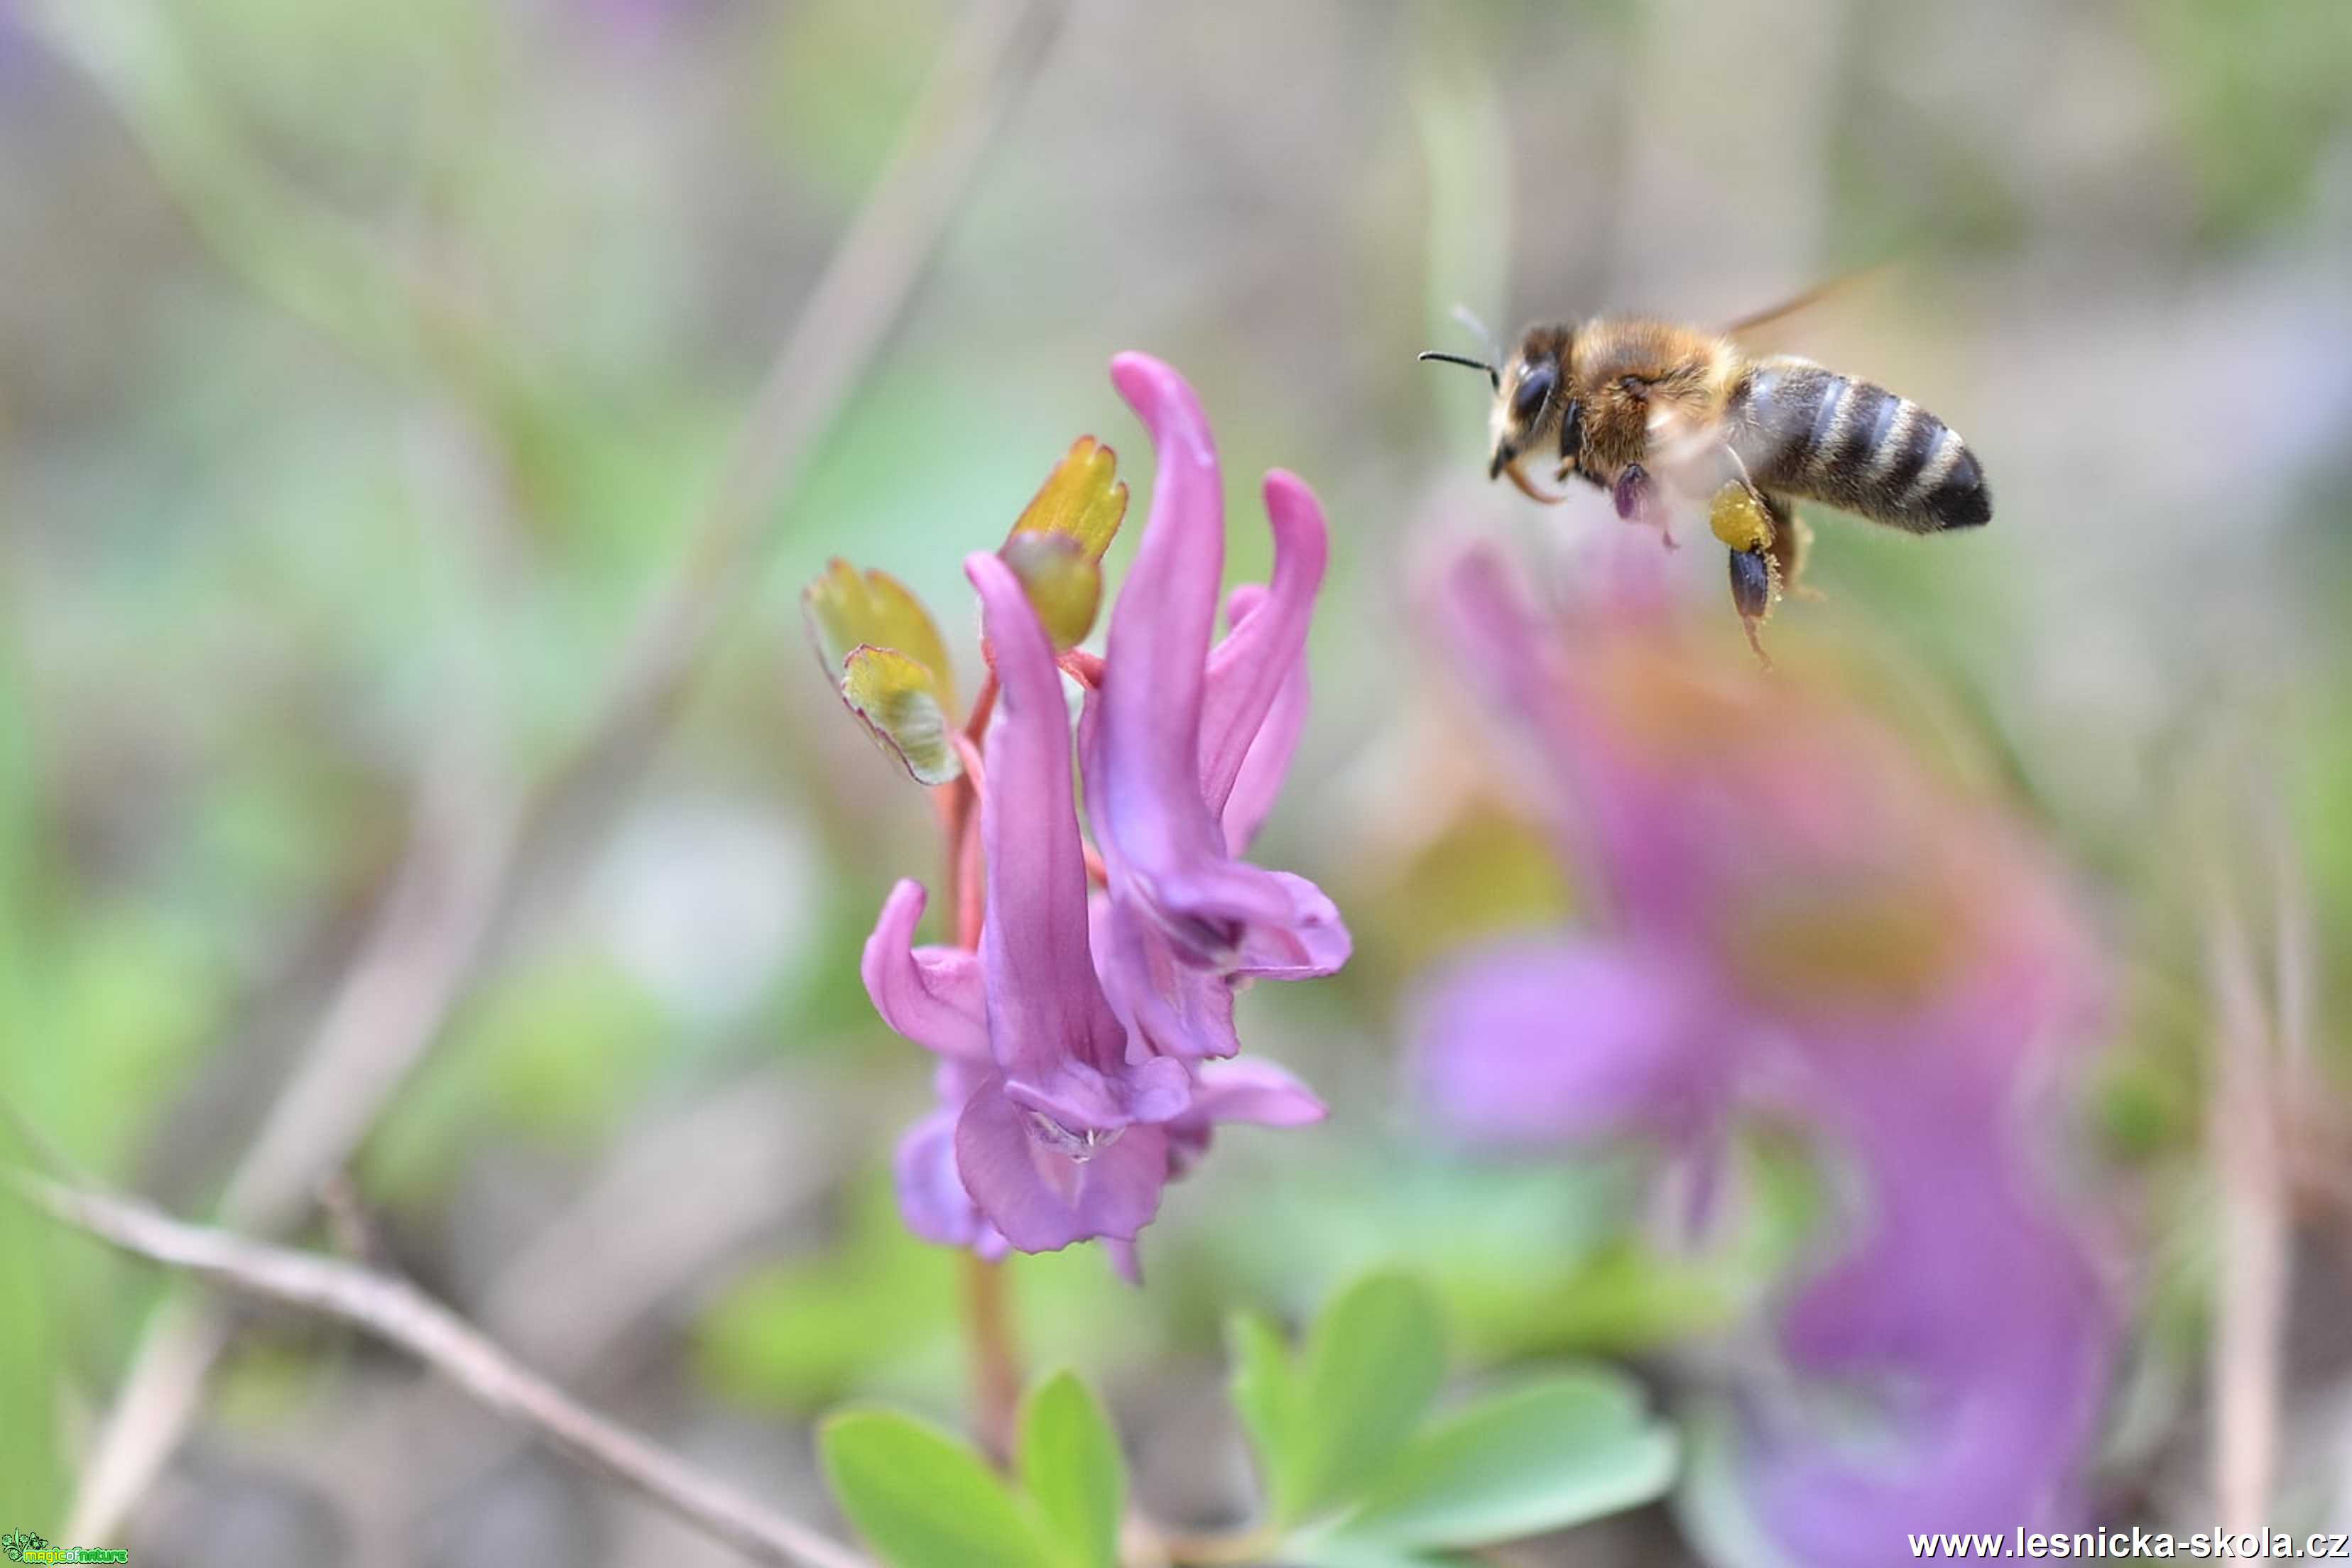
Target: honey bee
[(1651, 411)]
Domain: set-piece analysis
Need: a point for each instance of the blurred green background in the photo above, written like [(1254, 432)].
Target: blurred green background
[(364, 371)]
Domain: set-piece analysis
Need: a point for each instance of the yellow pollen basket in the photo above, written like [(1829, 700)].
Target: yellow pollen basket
[(1738, 518)]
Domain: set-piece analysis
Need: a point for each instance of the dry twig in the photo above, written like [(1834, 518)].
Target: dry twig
[(397, 1312)]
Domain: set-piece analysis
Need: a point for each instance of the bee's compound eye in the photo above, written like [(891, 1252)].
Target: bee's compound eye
[(1537, 384)]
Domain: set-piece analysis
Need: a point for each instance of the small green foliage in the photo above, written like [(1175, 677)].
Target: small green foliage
[(1373, 1363), (1544, 1457), (877, 642), (1071, 1465), (845, 607), (1355, 1475), (1354, 1479), (1266, 1393), (899, 702), (923, 1499)]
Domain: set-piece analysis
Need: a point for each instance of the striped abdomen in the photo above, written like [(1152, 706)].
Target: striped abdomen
[(1803, 430)]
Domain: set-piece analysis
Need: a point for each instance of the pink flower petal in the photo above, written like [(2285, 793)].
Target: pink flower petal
[(932, 995), (1044, 1193), (1168, 1006), (1148, 800), (1268, 763), (1308, 942), (1265, 651), (1045, 1004), (1254, 1092)]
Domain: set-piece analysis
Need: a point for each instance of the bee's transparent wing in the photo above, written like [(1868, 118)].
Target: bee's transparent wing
[(1749, 329)]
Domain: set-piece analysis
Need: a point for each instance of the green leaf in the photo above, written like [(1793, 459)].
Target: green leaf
[(1317, 1550), (1540, 1458), (904, 709), (846, 608), (1071, 1465), (923, 1499), (1063, 583), (1266, 1393), (1373, 1363)]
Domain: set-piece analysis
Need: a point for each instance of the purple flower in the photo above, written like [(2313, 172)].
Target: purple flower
[(1055, 1140), (1184, 746), (1074, 1080), (1802, 916)]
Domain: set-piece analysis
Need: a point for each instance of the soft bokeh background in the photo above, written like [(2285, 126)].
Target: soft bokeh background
[(364, 369)]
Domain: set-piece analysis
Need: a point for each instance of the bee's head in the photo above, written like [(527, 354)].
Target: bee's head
[(1532, 402), (1525, 397)]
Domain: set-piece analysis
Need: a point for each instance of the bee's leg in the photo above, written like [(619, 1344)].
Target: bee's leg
[(1571, 442), (1755, 583), (1792, 541), (1757, 530), (1744, 517), (1637, 498)]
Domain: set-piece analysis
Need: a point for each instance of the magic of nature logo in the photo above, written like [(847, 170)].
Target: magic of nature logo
[(27, 1546)]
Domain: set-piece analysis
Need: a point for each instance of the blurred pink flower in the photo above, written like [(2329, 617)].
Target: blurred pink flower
[(1075, 1078), (1800, 915)]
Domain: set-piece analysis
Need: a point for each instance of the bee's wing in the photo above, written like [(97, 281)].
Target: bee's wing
[(1691, 452), (1748, 326)]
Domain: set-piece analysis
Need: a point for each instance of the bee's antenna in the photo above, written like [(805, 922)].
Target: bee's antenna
[(1493, 375), (1480, 330)]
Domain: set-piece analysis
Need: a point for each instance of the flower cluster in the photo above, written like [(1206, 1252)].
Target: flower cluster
[(1802, 916), (1084, 1021)]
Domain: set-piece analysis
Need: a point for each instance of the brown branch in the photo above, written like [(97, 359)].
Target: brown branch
[(408, 971), (622, 1248), (456, 895), (399, 1314)]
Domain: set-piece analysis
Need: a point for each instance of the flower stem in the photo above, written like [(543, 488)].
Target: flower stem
[(995, 1357), (960, 819)]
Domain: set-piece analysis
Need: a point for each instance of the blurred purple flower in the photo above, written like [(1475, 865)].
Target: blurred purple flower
[(1801, 915), (1971, 1308), (1072, 1079), (15, 42), (1495, 1064), (1185, 745)]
